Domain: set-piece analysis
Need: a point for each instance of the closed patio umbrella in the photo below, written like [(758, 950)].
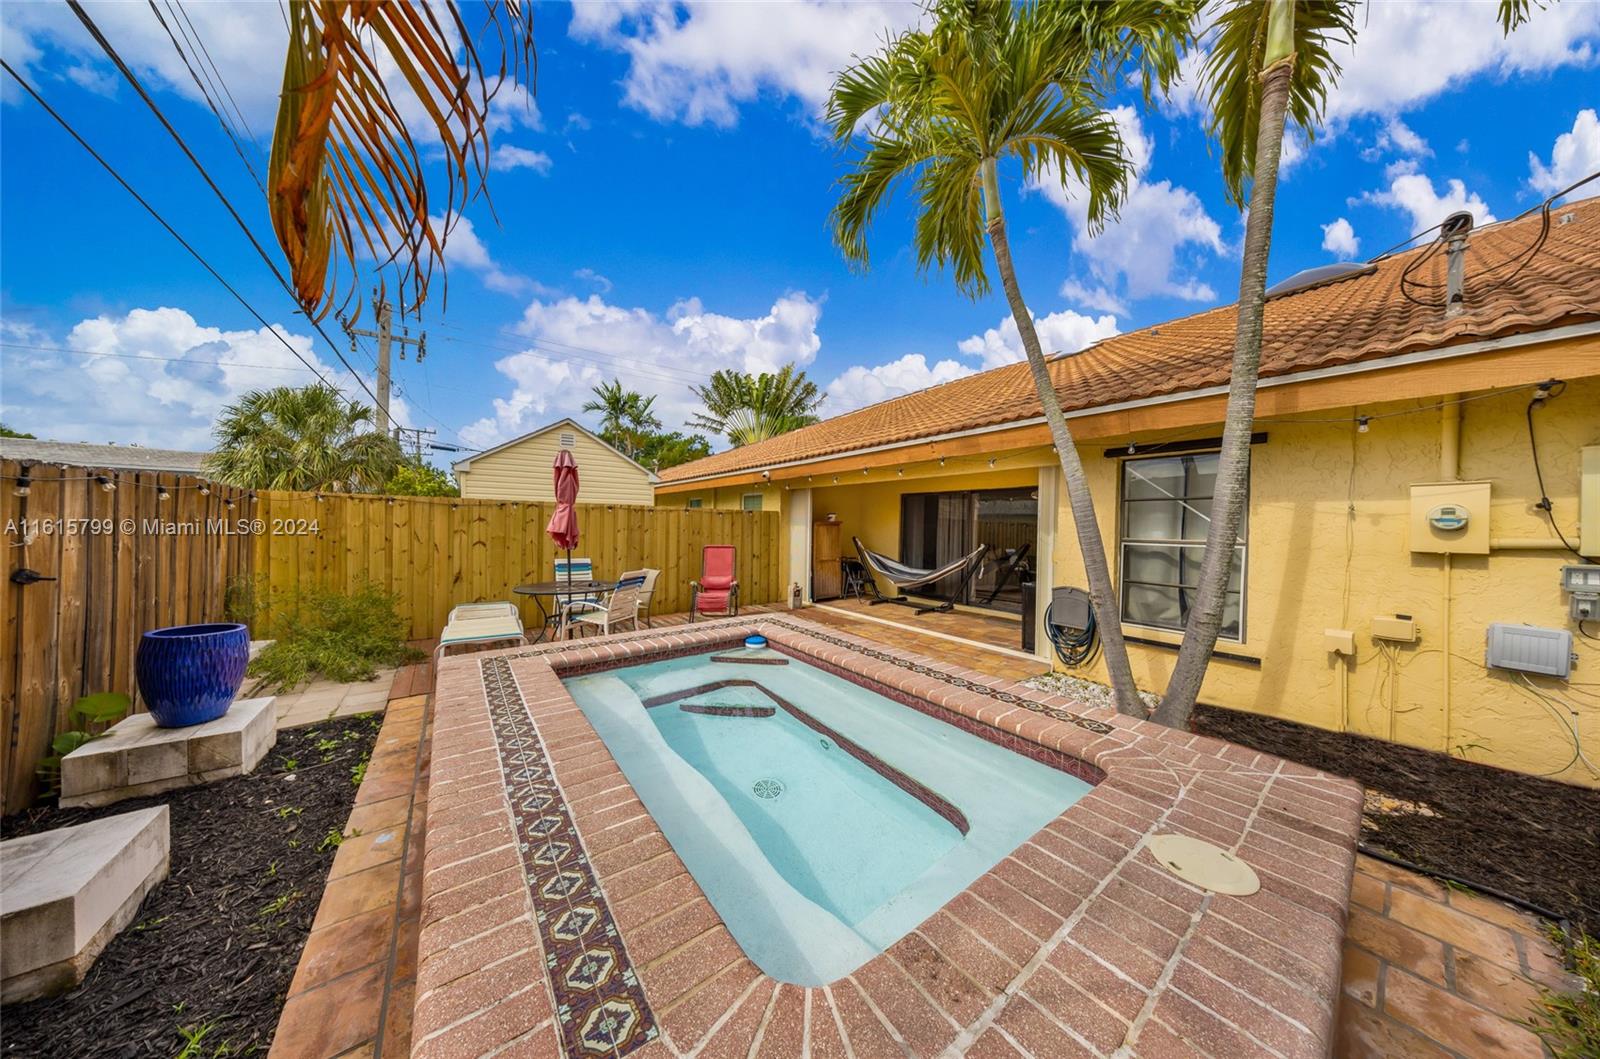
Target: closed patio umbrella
[(563, 526)]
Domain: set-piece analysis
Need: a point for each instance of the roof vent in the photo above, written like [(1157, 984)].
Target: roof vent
[(1454, 232), (568, 439), (1320, 276)]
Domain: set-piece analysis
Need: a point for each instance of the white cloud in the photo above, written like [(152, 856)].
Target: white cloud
[(158, 378), (1062, 332), (1339, 239), (576, 343), (1413, 192), (1151, 249), (508, 156), (859, 386), (1407, 53), (696, 62), (1397, 137), (589, 275), (1575, 155), (464, 249)]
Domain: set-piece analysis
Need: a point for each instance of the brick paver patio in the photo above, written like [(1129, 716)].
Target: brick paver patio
[(1385, 944)]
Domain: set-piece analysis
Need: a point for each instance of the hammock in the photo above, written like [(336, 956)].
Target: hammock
[(908, 578)]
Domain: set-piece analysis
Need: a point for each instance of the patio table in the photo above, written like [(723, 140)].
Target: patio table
[(550, 617)]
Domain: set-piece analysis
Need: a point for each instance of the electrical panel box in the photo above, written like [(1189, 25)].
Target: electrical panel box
[(1529, 649), (1069, 608), (1589, 503), (1582, 582), (1450, 518), (1397, 628)]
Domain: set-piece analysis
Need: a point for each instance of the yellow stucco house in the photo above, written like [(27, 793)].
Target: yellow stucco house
[(520, 469), (1410, 429)]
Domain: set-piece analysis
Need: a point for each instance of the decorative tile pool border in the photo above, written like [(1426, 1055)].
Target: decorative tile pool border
[(601, 1008)]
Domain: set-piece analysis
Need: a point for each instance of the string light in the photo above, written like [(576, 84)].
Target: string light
[(229, 502), (162, 494), (941, 461), (205, 488), (105, 483), (901, 471), (23, 487), (252, 498), (1362, 424), (1132, 448)]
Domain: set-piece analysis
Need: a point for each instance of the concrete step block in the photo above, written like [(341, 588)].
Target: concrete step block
[(136, 757), (64, 894)]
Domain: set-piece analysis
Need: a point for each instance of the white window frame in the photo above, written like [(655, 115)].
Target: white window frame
[(1123, 542)]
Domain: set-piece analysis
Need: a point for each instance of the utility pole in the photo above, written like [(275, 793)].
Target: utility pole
[(386, 336), (413, 438)]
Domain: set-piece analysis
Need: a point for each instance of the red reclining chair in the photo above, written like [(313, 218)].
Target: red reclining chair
[(717, 590)]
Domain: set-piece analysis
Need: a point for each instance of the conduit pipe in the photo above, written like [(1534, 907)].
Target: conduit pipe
[(1449, 471)]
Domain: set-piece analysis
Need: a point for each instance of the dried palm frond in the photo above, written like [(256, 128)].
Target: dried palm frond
[(345, 174)]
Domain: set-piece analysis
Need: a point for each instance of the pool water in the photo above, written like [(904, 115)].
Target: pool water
[(823, 821)]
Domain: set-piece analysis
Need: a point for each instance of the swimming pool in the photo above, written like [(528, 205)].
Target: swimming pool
[(823, 820)]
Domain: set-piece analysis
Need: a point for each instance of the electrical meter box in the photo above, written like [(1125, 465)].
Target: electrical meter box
[(1450, 518)]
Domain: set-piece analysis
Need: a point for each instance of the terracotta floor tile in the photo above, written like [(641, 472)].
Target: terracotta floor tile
[(1497, 988), (361, 892), (1398, 944), (1363, 1033), (1360, 972), (1453, 1022), (375, 816), (342, 947), (332, 1019), (397, 1019), (367, 850), (1455, 926)]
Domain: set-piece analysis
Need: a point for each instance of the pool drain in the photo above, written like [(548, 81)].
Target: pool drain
[(768, 789)]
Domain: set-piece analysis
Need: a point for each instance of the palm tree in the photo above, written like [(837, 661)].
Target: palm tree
[(1268, 62), (301, 438), (748, 408), (345, 169), (626, 416), (996, 80)]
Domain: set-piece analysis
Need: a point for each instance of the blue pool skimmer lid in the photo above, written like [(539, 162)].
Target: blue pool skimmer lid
[(755, 641)]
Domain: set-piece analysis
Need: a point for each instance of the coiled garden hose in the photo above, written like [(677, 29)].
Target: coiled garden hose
[(1075, 648)]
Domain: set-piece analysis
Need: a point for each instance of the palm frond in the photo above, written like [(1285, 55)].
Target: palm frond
[(345, 174), (1232, 77)]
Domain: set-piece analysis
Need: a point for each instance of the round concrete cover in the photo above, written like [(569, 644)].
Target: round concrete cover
[(1204, 864)]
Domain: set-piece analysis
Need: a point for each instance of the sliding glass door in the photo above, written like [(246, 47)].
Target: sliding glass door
[(939, 528)]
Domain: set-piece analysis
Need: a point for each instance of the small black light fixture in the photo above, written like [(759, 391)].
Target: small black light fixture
[(162, 493), (229, 503), (1363, 424), (252, 498), (204, 488), (105, 483), (24, 485)]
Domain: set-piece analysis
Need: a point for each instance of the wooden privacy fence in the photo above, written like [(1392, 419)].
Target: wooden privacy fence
[(124, 560), (435, 552)]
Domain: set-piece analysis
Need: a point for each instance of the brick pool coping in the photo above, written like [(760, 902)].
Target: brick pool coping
[(556, 916)]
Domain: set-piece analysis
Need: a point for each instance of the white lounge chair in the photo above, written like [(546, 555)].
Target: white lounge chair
[(480, 623)]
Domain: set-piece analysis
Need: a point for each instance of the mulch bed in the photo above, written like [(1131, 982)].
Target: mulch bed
[(210, 954), (1534, 839)]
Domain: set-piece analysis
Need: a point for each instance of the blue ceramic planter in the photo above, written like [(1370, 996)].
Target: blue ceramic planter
[(189, 674)]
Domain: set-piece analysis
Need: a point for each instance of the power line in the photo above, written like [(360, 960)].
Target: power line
[(138, 86), (109, 168), (227, 126)]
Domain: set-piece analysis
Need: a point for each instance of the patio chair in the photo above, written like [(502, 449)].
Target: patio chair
[(480, 623), (620, 605), (858, 580), (579, 570), (647, 591), (717, 590)]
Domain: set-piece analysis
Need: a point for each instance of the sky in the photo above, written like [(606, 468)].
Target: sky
[(658, 210)]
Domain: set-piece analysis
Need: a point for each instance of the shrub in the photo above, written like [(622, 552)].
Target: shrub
[(1569, 1023), (344, 638)]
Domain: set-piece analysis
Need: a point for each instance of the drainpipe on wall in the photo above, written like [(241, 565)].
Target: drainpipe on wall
[(1449, 471)]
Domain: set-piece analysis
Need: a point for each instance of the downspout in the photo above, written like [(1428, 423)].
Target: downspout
[(1449, 471)]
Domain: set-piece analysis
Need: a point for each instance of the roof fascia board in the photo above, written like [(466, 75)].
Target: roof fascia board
[(1423, 356)]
